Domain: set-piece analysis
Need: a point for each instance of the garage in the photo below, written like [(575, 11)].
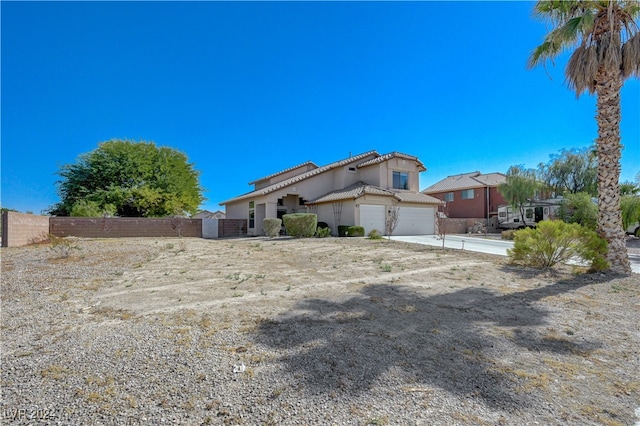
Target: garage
[(411, 221), (372, 217), (416, 221)]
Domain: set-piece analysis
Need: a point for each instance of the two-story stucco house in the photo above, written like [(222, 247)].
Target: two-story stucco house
[(360, 190)]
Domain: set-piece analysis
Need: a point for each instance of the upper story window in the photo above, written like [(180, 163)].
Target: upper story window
[(468, 194), (400, 180), (448, 196)]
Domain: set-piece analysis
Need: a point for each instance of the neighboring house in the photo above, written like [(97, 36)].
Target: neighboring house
[(206, 214), (360, 190), (469, 195)]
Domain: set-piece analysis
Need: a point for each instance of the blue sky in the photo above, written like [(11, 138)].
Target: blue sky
[(246, 89)]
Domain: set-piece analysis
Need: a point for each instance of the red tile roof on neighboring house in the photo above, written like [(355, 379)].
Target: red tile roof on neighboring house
[(466, 181)]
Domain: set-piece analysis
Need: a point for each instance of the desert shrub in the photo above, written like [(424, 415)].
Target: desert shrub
[(61, 247), (302, 225), (272, 226), (323, 232), (508, 234), (554, 241), (374, 234), (355, 231)]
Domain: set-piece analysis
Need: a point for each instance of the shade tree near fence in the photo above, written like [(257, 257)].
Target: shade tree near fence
[(129, 179)]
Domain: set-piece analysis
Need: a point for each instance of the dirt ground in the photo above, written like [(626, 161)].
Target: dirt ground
[(561, 345)]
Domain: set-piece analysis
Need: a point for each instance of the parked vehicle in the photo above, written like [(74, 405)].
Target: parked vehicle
[(532, 213), (634, 229)]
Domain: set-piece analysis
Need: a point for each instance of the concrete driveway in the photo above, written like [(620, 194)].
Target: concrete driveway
[(485, 245)]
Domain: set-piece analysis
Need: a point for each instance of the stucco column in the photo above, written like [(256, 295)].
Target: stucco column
[(271, 210)]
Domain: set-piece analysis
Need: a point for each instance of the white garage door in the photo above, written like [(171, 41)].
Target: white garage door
[(372, 217), (416, 221)]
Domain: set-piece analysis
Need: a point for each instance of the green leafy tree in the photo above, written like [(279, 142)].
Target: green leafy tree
[(630, 210), (127, 178), (606, 43), (87, 208), (629, 188), (519, 189), (570, 172), (579, 208)]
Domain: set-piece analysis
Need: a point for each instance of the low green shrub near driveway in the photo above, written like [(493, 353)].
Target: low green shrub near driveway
[(554, 241), (350, 231)]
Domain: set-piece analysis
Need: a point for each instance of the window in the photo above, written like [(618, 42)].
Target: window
[(252, 215), (529, 214), (448, 196), (468, 194), (400, 180)]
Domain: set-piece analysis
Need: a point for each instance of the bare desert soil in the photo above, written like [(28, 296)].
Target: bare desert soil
[(311, 331)]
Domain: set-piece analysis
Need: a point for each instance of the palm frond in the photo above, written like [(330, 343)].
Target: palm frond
[(582, 69), (631, 57)]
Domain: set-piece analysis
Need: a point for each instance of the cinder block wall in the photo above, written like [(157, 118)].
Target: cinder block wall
[(118, 227), (460, 225), (20, 229), (228, 228)]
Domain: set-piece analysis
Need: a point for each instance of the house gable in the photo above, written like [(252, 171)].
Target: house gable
[(394, 171)]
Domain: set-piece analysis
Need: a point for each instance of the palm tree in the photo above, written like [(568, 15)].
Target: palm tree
[(607, 51)]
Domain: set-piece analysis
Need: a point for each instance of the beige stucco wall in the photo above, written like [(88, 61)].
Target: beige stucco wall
[(371, 175), (20, 229)]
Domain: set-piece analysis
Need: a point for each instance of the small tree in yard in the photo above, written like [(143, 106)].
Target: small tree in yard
[(519, 189), (554, 241), (579, 208), (391, 221), (441, 222)]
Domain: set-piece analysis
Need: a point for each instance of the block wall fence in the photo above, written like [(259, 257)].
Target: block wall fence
[(120, 227), (19, 229)]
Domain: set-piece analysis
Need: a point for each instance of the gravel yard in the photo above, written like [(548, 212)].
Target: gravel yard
[(316, 331)]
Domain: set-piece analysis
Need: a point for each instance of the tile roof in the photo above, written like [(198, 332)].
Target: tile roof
[(466, 181), (308, 163), (351, 192), (417, 197), (360, 188), (300, 177), (385, 157)]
